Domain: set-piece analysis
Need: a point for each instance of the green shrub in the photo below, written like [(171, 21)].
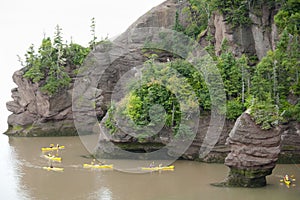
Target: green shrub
[(234, 109), (48, 66), (110, 122), (265, 113)]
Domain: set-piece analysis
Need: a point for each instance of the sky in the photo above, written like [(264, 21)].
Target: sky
[(25, 22)]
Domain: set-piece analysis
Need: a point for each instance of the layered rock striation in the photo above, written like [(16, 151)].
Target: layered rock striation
[(128, 141), (253, 155), (35, 113), (290, 146)]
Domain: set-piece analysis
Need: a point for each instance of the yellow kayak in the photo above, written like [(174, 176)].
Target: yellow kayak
[(159, 168), (52, 148), (288, 182), (53, 158), (58, 169), (97, 166)]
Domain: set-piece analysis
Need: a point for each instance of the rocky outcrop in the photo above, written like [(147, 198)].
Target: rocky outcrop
[(254, 39), (264, 30), (290, 146), (162, 15), (129, 53), (35, 113), (240, 39), (253, 154), (128, 142)]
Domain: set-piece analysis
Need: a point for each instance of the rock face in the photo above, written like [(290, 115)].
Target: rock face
[(162, 15), (37, 114), (255, 39), (253, 155), (129, 45), (290, 146), (128, 142)]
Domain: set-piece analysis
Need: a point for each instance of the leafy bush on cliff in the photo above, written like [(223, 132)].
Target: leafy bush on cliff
[(160, 85), (265, 113)]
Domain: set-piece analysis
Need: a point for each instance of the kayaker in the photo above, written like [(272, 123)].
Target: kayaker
[(286, 177), (151, 165), (101, 162), (160, 165)]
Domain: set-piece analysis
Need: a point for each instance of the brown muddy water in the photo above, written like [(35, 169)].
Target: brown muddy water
[(22, 177)]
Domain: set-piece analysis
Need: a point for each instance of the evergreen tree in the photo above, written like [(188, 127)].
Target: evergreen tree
[(93, 42), (48, 66)]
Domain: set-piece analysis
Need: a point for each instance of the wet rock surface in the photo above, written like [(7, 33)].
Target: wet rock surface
[(35, 113)]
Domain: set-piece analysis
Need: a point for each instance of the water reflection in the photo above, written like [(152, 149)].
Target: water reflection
[(10, 173), (104, 193)]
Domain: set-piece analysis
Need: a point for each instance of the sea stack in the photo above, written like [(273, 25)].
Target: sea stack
[(253, 155)]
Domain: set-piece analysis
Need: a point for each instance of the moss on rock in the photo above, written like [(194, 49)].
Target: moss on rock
[(251, 178), (60, 128)]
